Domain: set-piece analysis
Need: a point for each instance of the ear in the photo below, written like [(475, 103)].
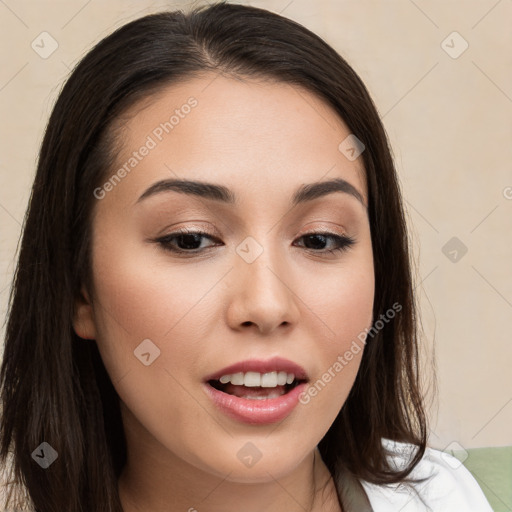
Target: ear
[(83, 320)]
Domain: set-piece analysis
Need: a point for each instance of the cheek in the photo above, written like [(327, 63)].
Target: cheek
[(150, 328), (343, 307), (341, 298), (139, 300), (347, 304)]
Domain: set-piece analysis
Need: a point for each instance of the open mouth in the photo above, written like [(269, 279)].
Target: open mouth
[(255, 392)]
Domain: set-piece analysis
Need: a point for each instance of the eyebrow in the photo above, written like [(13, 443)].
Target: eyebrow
[(306, 192)]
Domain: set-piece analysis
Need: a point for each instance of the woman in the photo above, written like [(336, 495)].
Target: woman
[(213, 306)]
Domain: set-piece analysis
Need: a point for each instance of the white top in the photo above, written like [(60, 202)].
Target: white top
[(452, 487)]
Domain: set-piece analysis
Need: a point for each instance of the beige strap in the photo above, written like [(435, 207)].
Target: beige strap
[(353, 495)]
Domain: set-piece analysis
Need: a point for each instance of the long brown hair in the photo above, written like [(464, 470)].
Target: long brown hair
[(54, 387)]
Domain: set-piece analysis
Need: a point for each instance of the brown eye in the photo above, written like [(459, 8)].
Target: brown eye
[(189, 242), (317, 241), (185, 241)]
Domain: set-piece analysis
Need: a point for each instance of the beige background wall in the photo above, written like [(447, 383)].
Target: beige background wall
[(448, 114)]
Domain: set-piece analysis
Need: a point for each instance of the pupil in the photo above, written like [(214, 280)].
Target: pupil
[(309, 237), (188, 245)]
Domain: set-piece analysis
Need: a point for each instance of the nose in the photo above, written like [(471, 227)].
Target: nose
[(261, 294)]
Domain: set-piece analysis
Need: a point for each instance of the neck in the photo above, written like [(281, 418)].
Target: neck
[(159, 481)]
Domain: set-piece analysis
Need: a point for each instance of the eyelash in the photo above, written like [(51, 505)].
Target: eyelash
[(344, 242)]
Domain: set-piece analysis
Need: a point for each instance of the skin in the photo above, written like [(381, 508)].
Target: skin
[(262, 139)]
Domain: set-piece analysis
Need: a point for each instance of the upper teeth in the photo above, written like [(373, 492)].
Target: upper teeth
[(253, 379)]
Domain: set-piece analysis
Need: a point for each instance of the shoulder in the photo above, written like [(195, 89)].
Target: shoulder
[(448, 486)]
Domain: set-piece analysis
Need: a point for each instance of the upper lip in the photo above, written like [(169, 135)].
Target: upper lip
[(276, 364)]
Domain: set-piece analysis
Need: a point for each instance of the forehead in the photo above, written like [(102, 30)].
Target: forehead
[(251, 135)]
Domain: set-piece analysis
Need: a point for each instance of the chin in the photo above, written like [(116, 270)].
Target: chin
[(267, 464)]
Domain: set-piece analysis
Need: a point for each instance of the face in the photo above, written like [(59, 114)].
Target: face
[(187, 283)]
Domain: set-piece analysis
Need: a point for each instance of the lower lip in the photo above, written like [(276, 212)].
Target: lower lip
[(256, 412)]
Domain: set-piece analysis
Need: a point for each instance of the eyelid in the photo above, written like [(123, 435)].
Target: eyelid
[(214, 233), (197, 228), (322, 231), (334, 229)]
